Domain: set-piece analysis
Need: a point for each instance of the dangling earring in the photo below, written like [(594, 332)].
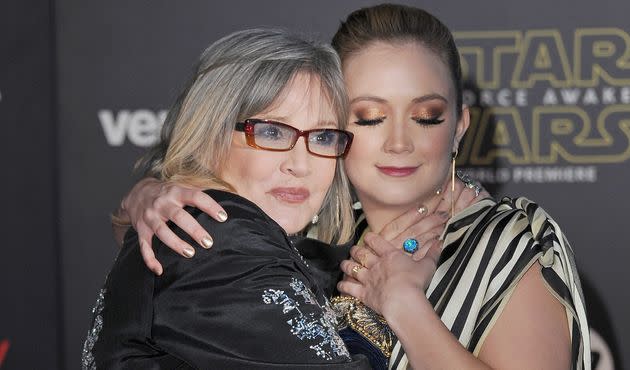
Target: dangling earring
[(453, 157), (315, 219)]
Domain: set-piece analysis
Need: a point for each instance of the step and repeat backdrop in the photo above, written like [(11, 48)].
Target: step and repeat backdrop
[(86, 87)]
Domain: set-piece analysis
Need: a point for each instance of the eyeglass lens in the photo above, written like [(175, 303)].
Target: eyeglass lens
[(271, 135)]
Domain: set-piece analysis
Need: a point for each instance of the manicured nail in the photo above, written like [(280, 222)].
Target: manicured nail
[(222, 215), (206, 241), (189, 252)]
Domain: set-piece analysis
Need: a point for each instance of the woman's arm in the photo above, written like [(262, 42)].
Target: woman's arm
[(151, 204), (531, 332), (251, 302)]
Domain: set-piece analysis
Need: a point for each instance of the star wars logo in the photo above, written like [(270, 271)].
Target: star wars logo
[(539, 98)]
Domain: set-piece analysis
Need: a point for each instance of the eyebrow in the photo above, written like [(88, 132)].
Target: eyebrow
[(321, 123), (419, 99)]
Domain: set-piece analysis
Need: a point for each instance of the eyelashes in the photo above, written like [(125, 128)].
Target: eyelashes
[(436, 120), (369, 122)]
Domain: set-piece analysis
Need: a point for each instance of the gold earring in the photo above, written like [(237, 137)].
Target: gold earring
[(453, 157)]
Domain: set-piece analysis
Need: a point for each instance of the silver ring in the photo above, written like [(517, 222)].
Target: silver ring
[(468, 182)]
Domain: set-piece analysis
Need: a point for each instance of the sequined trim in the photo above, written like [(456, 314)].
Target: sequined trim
[(309, 326), (365, 321), (87, 358)]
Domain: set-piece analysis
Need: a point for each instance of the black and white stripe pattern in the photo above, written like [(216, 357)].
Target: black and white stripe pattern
[(487, 249)]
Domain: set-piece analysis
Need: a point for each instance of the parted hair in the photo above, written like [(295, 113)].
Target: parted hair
[(237, 77), (399, 24)]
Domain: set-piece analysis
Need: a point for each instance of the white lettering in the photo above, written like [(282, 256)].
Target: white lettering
[(570, 96), (608, 95), (550, 97), (590, 97), (521, 98), (142, 126), (114, 128), (569, 174)]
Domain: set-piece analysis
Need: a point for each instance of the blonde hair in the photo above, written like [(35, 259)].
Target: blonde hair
[(236, 78)]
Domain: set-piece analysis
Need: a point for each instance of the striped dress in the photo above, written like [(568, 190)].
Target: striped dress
[(488, 247)]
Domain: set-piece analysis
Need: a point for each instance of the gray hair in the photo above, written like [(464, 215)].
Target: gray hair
[(236, 78)]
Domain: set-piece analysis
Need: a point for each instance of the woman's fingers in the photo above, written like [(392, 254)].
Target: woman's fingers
[(149, 258), (363, 256), (429, 245), (160, 229), (145, 234), (201, 200), (424, 229), (434, 252), (353, 269), (190, 226), (378, 244), (403, 222), (351, 288)]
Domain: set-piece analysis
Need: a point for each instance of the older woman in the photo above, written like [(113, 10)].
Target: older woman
[(259, 125)]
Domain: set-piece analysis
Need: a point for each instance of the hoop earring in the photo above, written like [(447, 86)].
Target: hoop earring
[(453, 157)]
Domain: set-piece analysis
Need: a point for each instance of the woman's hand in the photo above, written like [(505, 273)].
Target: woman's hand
[(424, 224), (386, 272), (151, 204)]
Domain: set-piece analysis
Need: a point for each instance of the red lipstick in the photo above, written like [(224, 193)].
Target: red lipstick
[(397, 171), (290, 195)]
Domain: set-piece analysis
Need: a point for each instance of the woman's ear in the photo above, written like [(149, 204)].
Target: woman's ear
[(461, 127)]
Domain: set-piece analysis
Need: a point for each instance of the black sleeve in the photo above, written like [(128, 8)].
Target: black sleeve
[(249, 302)]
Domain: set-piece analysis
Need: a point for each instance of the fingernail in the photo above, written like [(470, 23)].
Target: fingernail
[(422, 210), (207, 242), (189, 252), (222, 215)]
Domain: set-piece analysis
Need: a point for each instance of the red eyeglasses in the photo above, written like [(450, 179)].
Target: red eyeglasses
[(280, 137)]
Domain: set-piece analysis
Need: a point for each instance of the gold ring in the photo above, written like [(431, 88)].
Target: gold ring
[(355, 270)]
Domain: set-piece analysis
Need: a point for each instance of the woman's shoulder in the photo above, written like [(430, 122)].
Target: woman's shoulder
[(247, 226)]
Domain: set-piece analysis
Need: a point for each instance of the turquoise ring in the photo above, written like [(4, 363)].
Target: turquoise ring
[(410, 245)]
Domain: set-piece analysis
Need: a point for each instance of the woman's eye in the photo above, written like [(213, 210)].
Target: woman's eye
[(270, 132), (428, 121), (369, 122), (325, 138)]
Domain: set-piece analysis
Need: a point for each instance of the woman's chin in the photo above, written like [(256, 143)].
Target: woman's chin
[(291, 225)]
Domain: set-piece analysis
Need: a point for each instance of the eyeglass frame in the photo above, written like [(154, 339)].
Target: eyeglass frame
[(251, 140)]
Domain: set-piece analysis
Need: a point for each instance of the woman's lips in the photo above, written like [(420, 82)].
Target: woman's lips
[(397, 171), (290, 195)]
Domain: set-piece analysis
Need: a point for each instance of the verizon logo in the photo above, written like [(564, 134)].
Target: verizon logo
[(141, 127)]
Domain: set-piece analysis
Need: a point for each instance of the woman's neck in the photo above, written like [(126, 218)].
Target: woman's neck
[(379, 215)]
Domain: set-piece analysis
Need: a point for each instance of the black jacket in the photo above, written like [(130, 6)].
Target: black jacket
[(251, 301)]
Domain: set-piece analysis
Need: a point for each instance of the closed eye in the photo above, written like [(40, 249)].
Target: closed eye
[(369, 122), (428, 121)]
